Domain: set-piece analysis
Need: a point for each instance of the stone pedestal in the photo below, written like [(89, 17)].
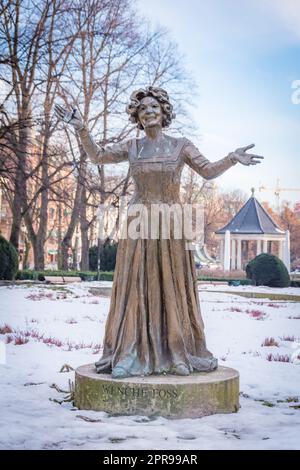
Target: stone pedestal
[(194, 396)]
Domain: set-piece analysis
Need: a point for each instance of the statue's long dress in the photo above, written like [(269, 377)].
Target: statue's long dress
[(154, 321)]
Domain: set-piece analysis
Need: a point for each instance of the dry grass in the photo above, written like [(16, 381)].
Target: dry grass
[(278, 357), (269, 342)]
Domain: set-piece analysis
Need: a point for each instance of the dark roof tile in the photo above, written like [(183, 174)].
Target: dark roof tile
[(252, 218)]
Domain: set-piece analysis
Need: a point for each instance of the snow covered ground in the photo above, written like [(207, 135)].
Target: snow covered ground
[(44, 328)]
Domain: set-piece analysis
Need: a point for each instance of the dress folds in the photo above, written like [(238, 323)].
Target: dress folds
[(154, 323)]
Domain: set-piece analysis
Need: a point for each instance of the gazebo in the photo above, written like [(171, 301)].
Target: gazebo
[(252, 231)]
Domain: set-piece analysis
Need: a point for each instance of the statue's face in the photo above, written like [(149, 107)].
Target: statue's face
[(150, 112)]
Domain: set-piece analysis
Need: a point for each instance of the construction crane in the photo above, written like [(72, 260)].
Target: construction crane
[(277, 190)]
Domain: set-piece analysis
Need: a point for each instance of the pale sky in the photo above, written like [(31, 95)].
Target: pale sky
[(244, 56)]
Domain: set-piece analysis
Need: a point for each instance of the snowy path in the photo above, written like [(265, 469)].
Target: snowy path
[(66, 327)]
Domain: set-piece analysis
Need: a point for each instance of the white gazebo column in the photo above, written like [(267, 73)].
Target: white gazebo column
[(239, 254), (287, 258), (265, 246), (258, 247), (280, 250), (222, 252), (227, 251), (233, 254)]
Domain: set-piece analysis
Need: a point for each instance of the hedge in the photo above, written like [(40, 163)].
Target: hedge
[(295, 284), (9, 260), (230, 280), (40, 275)]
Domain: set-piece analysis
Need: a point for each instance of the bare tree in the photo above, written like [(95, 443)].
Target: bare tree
[(36, 53), (92, 54), (22, 33)]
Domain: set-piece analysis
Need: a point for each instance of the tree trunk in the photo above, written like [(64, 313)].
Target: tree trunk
[(65, 245), (39, 261), (35, 249), (26, 254), (59, 237), (75, 254), (20, 186), (67, 240), (16, 220), (84, 227)]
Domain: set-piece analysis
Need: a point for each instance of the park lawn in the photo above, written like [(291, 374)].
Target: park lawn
[(43, 329)]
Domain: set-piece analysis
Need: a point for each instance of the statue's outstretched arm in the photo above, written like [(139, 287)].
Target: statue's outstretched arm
[(100, 155), (209, 170)]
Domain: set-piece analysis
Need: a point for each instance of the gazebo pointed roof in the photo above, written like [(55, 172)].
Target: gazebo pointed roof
[(252, 218)]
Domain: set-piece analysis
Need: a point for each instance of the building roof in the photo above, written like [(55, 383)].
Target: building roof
[(252, 218)]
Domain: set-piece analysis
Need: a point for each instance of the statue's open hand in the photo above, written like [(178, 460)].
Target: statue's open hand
[(70, 117), (246, 158)]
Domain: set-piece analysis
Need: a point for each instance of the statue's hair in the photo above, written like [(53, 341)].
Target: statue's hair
[(160, 95)]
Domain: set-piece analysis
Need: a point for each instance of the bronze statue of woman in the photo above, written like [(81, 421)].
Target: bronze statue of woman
[(154, 324)]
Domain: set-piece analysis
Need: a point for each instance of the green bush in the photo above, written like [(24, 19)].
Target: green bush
[(107, 257), (9, 260), (268, 270), (295, 283)]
